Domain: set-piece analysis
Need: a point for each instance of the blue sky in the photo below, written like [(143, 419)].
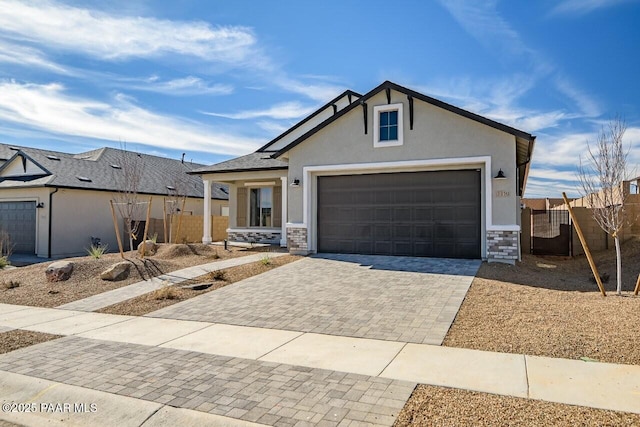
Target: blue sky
[(217, 79)]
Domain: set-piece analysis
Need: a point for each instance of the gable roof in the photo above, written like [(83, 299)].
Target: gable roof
[(349, 94), (433, 101), (67, 170)]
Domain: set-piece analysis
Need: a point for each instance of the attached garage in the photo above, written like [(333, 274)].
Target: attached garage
[(19, 220), (430, 214)]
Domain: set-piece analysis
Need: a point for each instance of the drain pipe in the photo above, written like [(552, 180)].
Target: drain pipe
[(50, 220)]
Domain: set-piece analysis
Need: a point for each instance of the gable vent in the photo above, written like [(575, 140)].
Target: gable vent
[(51, 157), (83, 178)]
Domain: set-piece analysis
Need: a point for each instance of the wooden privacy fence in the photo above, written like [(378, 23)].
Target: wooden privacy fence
[(190, 228)]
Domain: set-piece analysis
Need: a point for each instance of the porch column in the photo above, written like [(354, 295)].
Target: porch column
[(206, 218), (283, 235)]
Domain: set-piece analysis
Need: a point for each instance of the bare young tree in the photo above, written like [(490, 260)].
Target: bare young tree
[(127, 200), (177, 192), (601, 178)]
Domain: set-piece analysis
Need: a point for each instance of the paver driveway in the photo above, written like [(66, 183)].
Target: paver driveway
[(392, 298)]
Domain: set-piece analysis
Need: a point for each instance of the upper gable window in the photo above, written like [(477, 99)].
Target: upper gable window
[(387, 125)]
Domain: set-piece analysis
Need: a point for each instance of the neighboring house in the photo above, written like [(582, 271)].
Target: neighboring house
[(391, 172), (52, 203)]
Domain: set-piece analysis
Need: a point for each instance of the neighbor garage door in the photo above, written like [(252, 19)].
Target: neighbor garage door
[(433, 214), (19, 220)]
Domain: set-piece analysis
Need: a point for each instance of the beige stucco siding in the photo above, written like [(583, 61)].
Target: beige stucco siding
[(80, 214), (437, 134)]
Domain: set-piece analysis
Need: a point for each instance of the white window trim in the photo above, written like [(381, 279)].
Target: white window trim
[(376, 125), (258, 227)]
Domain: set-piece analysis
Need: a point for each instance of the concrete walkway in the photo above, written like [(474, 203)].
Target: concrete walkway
[(115, 296), (597, 385)]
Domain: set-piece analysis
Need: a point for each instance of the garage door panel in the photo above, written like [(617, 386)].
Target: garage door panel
[(19, 220), (412, 213)]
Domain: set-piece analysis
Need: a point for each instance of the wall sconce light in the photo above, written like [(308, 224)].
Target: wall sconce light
[(295, 183), (40, 205), (500, 175)]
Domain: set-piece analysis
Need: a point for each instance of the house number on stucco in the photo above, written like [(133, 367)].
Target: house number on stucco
[(502, 193)]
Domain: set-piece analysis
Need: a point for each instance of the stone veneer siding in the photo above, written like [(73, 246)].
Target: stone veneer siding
[(502, 246), (254, 236), (297, 240)]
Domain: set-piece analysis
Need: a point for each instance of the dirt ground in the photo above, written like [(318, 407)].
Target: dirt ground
[(439, 406), (156, 300), (550, 307), (19, 338), (34, 290)]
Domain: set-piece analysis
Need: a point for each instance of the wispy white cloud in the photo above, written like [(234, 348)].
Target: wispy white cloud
[(581, 7), (189, 85), (497, 99), (273, 128), (286, 110), (483, 22), (49, 108), (587, 105), (13, 53), (111, 37), (318, 91)]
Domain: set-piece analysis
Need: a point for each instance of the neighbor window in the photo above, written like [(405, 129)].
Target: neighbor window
[(260, 207), (387, 125)]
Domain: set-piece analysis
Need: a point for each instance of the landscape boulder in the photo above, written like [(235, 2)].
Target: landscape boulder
[(117, 271), (150, 248), (59, 271)]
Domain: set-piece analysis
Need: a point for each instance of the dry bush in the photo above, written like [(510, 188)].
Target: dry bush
[(165, 292), (11, 284), (218, 275)]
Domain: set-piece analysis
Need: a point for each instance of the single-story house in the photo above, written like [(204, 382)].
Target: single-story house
[(52, 203), (391, 172)]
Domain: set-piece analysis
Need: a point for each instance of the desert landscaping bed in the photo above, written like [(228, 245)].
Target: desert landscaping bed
[(173, 294), (440, 406), (33, 289), (551, 307), (19, 338)]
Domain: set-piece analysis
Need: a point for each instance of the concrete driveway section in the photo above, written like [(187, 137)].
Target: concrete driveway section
[(377, 297)]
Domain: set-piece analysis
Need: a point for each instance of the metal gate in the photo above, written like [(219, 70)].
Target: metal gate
[(551, 232)]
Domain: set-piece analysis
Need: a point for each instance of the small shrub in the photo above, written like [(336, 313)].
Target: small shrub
[(265, 260), (154, 238), (215, 255), (11, 284), (218, 275), (96, 251), (165, 292), (4, 262)]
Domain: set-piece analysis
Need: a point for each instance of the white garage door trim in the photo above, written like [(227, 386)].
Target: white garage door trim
[(311, 172)]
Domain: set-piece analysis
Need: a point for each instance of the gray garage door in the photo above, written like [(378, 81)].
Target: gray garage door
[(19, 220), (432, 214)]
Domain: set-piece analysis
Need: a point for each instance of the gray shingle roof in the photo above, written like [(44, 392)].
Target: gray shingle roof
[(254, 161), (157, 174)]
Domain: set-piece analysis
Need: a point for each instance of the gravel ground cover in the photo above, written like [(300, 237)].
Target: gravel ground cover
[(550, 307), (34, 290), (18, 338), (156, 300), (439, 406)]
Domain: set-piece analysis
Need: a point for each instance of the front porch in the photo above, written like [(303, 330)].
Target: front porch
[(257, 206)]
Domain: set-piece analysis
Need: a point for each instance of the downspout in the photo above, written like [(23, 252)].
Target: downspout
[(50, 220)]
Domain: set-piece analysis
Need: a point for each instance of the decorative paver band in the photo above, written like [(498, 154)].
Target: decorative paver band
[(264, 392)]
